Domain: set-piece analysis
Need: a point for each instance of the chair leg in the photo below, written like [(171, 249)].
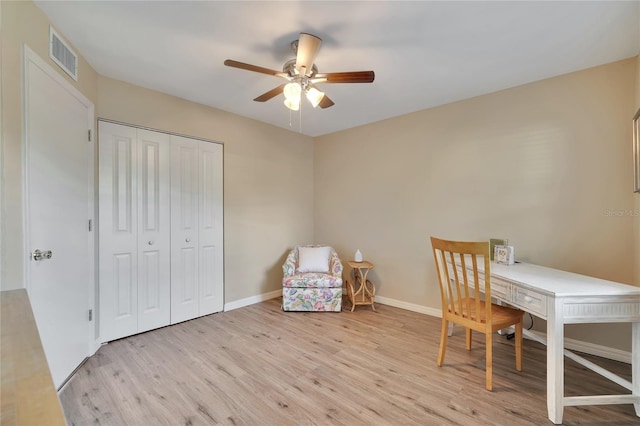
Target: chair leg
[(519, 346), (468, 333), (489, 363), (443, 341)]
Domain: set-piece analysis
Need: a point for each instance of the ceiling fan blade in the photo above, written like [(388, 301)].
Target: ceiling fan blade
[(254, 68), (270, 94), (345, 77), (308, 47), (326, 102)]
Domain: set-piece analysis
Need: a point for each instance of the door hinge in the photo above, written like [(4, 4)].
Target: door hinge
[(90, 314), (90, 225), (89, 135)]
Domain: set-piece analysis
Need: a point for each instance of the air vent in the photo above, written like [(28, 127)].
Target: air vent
[(62, 55)]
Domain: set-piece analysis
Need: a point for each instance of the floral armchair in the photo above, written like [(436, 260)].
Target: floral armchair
[(312, 280)]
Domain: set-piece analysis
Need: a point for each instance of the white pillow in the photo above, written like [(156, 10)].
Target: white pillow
[(313, 259)]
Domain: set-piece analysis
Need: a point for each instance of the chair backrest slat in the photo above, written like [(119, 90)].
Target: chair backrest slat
[(467, 298), (455, 295)]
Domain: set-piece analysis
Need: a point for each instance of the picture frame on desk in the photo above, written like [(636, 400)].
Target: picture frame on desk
[(636, 152), (504, 254)]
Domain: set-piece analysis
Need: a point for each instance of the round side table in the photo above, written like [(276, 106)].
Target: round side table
[(361, 291)]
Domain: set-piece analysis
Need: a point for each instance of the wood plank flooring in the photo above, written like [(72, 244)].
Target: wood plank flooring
[(261, 366)]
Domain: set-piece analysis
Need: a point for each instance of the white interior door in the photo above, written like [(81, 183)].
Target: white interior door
[(118, 189), (184, 229), (154, 230), (135, 230), (197, 286), (58, 207), (211, 228)]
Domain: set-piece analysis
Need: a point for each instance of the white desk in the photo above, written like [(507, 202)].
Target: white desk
[(565, 298)]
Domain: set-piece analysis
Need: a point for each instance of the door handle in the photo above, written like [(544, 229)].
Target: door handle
[(41, 255)]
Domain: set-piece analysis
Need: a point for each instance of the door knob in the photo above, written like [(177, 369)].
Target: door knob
[(41, 255), (150, 243), (187, 240)]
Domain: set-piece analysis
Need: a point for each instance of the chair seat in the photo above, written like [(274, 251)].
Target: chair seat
[(312, 280), (501, 316)]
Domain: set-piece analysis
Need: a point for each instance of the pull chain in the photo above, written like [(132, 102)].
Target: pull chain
[(299, 118)]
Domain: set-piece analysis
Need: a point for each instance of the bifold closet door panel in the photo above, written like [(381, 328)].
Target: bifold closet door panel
[(154, 230), (135, 230), (184, 229), (196, 229), (211, 229), (118, 222)]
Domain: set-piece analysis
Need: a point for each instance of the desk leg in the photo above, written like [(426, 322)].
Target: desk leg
[(635, 362), (555, 362)]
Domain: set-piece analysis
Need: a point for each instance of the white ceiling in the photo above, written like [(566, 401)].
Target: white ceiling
[(424, 54)]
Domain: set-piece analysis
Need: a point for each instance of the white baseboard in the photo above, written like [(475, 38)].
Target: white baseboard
[(252, 300), (571, 344), (591, 348), (409, 306)]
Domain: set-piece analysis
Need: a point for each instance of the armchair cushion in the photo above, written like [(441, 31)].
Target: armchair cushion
[(313, 259), (312, 280)]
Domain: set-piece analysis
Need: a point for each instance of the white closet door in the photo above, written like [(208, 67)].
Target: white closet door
[(211, 240), (154, 230), (118, 231), (184, 229), (196, 229)]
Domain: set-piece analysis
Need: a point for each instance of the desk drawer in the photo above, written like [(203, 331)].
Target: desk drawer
[(530, 301), (499, 289)]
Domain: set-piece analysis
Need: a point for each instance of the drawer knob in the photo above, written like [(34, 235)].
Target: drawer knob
[(528, 299)]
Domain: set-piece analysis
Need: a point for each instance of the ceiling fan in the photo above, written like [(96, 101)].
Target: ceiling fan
[(302, 75)]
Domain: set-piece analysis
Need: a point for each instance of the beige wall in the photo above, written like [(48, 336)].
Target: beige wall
[(22, 23), (544, 165), (268, 180)]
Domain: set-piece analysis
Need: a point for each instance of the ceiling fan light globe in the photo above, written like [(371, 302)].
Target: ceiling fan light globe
[(292, 91), (314, 96), (292, 104)]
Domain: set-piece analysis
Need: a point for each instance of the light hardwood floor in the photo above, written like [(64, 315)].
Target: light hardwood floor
[(260, 366)]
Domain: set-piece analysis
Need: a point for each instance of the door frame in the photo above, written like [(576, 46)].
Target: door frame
[(30, 58)]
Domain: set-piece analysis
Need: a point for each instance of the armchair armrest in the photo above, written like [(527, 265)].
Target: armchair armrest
[(289, 266), (335, 266)]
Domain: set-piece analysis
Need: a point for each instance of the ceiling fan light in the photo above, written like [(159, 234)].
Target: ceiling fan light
[(292, 104), (292, 92), (314, 96)]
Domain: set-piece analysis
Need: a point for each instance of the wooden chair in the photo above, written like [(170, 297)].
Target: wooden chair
[(461, 301)]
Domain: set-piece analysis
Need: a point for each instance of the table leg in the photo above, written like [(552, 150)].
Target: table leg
[(555, 362), (352, 296), (635, 363), (363, 282), (372, 293)]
